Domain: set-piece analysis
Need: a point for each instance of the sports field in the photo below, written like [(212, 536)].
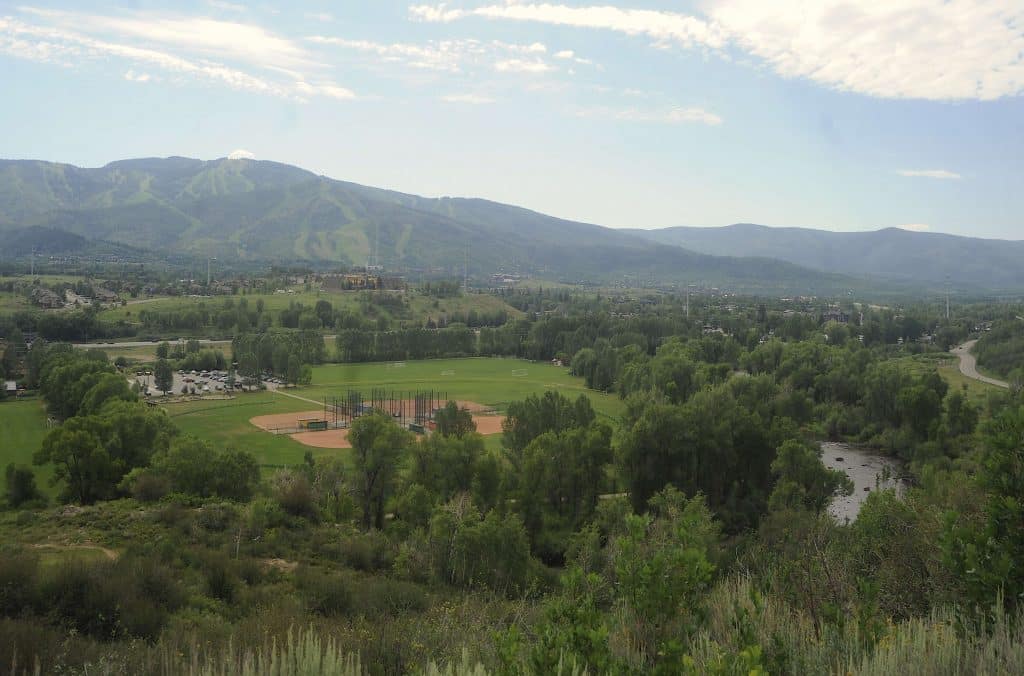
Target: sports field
[(490, 382), (23, 425), (493, 382)]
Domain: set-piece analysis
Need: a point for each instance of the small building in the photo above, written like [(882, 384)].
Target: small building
[(836, 315), (11, 387)]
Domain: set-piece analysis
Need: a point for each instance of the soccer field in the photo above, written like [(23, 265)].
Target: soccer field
[(491, 381), (23, 425)]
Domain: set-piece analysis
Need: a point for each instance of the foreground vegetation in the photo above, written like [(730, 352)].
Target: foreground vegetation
[(661, 510)]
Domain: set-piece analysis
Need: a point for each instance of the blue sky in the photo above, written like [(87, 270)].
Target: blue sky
[(832, 114)]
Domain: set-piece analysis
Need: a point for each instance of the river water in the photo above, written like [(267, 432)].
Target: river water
[(866, 469)]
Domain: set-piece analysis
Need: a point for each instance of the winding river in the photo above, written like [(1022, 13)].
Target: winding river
[(868, 471)]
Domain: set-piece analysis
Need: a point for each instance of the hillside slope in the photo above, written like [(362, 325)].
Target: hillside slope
[(926, 258), (266, 211)]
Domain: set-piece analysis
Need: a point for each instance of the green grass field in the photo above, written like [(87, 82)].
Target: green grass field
[(491, 381), (494, 382), (226, 424), (420, 307), (948, 367), (24, 426)]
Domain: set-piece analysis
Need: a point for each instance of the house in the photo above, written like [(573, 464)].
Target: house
[(836, 315), (46, 299), (11, 387)]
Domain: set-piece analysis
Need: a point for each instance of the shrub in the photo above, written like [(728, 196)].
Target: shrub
[(371, 551), (294, 493), (324, 593), (20, 484), (219, 573), (18, 574)]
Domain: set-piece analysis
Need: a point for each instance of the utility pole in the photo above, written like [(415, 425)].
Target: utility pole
[(32, 265), (947, 298), (208, 271), (465, 271)]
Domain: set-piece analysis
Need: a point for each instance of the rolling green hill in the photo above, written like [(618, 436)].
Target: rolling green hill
[(265, 211), (969, 263)]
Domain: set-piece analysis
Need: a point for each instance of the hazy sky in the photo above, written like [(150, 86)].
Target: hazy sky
[(831, 114)]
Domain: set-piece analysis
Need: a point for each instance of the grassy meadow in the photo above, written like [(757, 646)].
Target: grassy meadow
[(420, 307), (948, 367), (23, 425), (494, 382), (490, 381)]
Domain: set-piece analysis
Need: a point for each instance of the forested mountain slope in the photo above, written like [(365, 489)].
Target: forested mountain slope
[(257, 210)]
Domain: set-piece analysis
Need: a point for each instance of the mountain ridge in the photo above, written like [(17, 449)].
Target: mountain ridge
[(259, 210), (896, 254)]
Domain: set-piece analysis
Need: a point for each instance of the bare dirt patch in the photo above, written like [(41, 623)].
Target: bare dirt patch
[(325, 439), (284, 420), (109, 553), (281, 565), (338, 438), (488, 424)]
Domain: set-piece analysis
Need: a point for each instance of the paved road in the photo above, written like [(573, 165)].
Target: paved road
[(144, 343), (969, 365)]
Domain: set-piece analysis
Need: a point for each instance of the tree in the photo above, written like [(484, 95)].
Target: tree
[(453, 421), (562, 475), (379, 446), (294, 370), (163, 350), (194, 466), (163, 376), (989, 560), (78, 459), (803, 481), (662, 567), (468, 550), (21, 487), (961, 415), (109, 387)]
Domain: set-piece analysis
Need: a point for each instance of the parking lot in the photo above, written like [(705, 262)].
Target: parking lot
[(197, 382)]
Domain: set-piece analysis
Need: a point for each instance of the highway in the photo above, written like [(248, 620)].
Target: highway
[(969, 365)]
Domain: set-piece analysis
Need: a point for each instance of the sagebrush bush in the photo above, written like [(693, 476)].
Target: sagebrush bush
[(326, 593)]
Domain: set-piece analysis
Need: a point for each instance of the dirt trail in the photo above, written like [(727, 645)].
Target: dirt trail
[(109, 553)]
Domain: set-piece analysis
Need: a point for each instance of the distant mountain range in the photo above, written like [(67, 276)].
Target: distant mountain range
[(249, 210), (266, 211), (924, 258)]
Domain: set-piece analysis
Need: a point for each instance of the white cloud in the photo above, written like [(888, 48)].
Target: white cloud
[(569, 55), (661, 26), (672, 115), (132, 76), (470, 99), (52, 40), (229, 40), (929, 173), (915, 227), (447, 55), (521, 66), (444, 55), (917, 49), (241, 154)]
